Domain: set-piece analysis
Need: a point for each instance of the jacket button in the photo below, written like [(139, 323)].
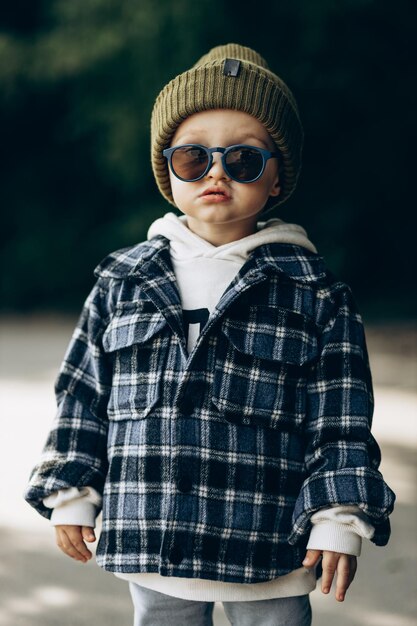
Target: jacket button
[(176, 555), (184, 483)]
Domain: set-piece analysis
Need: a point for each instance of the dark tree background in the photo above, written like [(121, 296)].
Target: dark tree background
[(77, 83)]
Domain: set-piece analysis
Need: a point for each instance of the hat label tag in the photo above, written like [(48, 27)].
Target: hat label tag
[(231, 67)]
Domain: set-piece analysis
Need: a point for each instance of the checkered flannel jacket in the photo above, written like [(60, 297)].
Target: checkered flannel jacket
[(211, 464)]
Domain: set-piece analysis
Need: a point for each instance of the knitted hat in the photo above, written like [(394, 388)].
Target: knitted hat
[(230, 77)]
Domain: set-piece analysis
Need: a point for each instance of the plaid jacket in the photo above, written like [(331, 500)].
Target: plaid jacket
[(211, 464)]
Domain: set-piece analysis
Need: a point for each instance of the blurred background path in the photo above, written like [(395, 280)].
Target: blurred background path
[(40, 586)]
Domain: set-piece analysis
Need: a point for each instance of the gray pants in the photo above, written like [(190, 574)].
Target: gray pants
[(153, 608)]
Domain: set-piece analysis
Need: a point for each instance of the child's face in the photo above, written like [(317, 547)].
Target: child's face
[(220, 218)]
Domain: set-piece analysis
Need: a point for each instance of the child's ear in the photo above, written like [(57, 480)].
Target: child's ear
[(276, 188)]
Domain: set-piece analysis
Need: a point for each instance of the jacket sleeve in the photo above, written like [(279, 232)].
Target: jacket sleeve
[(75, 451), (342, 457)]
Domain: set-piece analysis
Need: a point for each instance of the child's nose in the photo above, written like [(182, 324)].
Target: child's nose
[(216, 171)]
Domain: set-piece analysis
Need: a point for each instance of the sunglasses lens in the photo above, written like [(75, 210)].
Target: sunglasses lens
[(244, 164), (189, 162)]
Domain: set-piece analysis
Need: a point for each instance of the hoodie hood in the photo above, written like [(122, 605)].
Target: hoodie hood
[(185, 244)]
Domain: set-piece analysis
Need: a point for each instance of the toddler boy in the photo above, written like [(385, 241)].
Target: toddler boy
[(216, 399)]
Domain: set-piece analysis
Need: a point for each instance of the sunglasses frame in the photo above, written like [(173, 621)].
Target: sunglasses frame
[(266, 155)]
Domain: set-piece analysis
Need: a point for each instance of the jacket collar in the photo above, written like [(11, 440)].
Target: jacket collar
[(149, 264), (295, 262)]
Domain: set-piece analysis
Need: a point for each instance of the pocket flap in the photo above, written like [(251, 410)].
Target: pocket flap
[(132, 325), (273, 333)]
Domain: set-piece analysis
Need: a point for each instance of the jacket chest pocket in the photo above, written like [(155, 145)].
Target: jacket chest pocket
[(138, 339), (261, 364)]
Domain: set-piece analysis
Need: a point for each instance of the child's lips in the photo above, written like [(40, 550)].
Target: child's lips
[(215, 194)]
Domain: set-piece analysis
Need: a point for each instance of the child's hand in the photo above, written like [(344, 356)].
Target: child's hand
[(70, 539), (344, 564)]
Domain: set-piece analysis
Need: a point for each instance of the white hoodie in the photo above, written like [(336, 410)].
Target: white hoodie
[(203, 272)]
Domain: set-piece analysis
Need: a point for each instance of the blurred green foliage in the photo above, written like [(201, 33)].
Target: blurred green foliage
[(77, 84)]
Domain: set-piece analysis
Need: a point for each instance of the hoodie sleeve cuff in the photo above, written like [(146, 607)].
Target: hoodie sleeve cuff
[(78, 512), (334, 537)]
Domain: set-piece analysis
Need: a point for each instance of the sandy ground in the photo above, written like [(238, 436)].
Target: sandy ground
[(40, 586)]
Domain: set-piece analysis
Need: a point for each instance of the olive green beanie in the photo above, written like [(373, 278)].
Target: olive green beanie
[(230, 77)]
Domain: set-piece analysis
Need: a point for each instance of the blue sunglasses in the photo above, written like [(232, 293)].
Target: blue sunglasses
[(242, 163)]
